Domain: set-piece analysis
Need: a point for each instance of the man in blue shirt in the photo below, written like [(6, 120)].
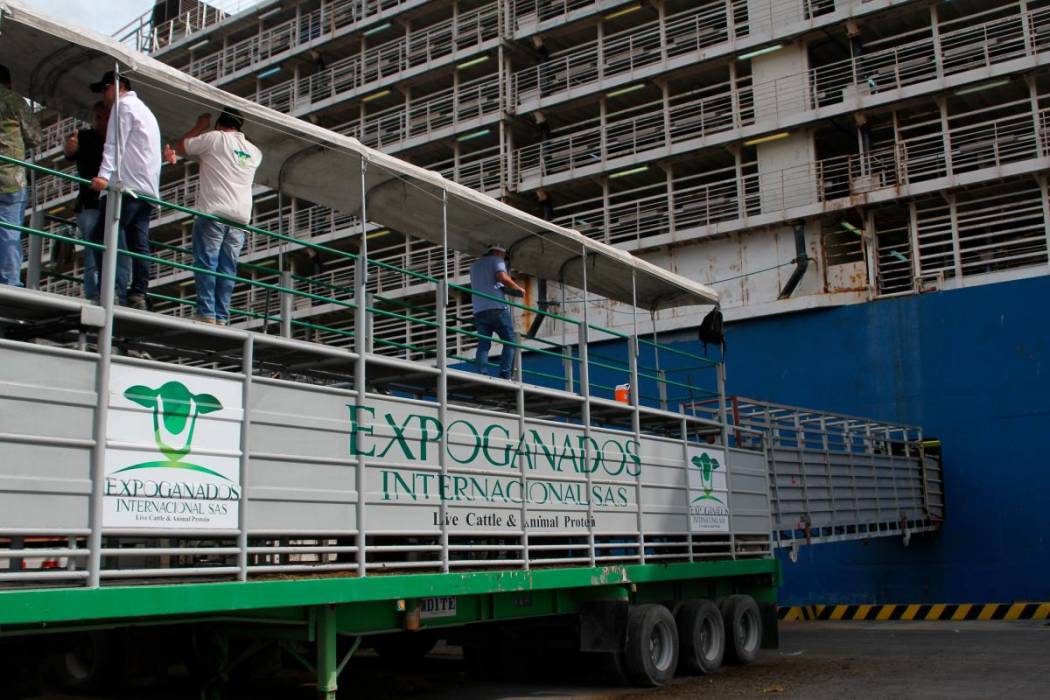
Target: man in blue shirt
[(492, 317)]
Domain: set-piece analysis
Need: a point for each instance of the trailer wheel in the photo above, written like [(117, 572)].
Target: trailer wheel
[(701, 637), (651, 649), (743, 626), (91, 664)]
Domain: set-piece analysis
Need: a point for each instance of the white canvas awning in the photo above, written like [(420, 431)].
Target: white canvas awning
[(53, 62)]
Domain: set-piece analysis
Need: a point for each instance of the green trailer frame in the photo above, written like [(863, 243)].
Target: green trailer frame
[(320, 610)]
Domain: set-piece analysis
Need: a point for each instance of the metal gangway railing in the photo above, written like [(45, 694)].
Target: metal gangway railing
[(838, 477)]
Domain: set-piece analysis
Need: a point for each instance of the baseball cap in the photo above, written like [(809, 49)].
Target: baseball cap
[(108, 79), (495, 246)]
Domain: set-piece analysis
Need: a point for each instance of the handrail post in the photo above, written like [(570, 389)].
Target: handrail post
[(105, 359), (36, 243), (442, 380), (585, 390), (286, 303), (247, 358), (567, 360), (636, 418), (360, 367)]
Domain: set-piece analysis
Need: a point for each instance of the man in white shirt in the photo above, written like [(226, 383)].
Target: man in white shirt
[(228, 162), (139, 171)]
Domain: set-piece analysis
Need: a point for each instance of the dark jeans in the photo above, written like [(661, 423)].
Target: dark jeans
[(499, 323), (134, 236)]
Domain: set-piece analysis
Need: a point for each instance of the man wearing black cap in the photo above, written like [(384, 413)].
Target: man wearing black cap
[(139, 171), (228, 161)]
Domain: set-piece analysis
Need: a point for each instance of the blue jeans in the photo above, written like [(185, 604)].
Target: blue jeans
[(87, 219), (495, 322), (132, 235), (215, 247), (12, 209)]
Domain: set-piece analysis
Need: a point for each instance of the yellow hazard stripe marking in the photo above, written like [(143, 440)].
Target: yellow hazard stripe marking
[(915, 611), (1014, 613)]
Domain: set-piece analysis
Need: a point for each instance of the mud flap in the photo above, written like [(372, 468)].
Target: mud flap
[(603, 626)]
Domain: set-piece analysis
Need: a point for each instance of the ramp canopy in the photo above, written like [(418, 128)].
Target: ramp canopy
[(53, 62)]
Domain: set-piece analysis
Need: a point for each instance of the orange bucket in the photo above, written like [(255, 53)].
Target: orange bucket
[(623, 393)]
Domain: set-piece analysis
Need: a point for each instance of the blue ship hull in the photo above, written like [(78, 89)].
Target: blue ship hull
[(972, 367)]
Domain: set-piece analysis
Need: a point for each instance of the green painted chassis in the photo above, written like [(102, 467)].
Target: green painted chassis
[(384, 602)]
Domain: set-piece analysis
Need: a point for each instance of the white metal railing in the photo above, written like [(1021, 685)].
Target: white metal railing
[(687, 32), (316, 25), (719, 196), (141, 35), (382, 63), (481, 170), (51, 189), (53, 136), (964, 46), (531, 12), (995, 231), (711, 110), (690, 115), (423, 117)]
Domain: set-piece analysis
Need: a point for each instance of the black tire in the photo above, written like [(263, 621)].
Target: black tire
[(404, 646), (743, 628), (701, 637), (92, 664), (651, 648)]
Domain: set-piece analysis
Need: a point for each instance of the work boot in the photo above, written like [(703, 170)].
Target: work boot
[(210, 320), (137, 301)]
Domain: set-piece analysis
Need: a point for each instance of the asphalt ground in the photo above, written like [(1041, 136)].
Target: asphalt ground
[(816, 661)]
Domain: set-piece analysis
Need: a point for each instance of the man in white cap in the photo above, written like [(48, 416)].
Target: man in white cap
[(489, 276)]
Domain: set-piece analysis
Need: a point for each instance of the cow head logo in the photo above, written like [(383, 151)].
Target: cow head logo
[(707, 466), (175, 410)]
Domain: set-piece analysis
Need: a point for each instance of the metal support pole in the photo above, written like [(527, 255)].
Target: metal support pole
[(442, 380), (661, 383), (570, 384), (360, 368), (585, 390), (247, 358), (286, 304), (36, 243), (684, 428), (105, 358), (327, 659), (636, 414)]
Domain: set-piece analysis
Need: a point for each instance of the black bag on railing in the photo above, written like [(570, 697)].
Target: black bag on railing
[(712, 331)]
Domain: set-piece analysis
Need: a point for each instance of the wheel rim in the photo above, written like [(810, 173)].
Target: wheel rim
[(749, 627), (80, 660), (661, 646), (709, 639)]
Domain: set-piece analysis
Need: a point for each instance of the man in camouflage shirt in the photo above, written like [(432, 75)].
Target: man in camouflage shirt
[(18, 130)]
